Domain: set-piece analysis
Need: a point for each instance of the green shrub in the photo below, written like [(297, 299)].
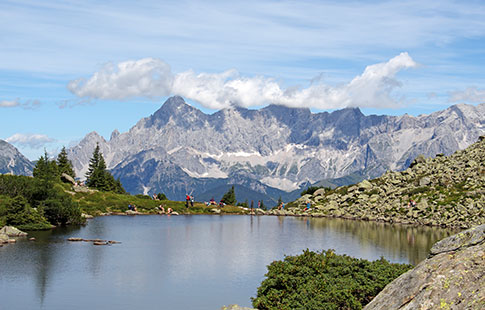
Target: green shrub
[(49, 196), (21, 215), (324, 281)]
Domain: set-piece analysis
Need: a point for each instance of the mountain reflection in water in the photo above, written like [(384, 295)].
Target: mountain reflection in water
[(184, 262)]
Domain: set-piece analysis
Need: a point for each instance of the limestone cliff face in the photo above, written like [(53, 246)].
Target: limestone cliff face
[(453, 277)]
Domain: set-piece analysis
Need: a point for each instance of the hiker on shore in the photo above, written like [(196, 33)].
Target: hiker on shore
[(187, 200), (308, 205), (281, 206)]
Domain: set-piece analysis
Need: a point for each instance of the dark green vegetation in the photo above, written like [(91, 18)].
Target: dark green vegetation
[(230, 197), (64, 164), (324, 281), (42, 201), (99, 178), (36, 203)]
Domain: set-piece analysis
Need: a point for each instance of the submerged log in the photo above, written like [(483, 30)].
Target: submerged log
[(75, 239)]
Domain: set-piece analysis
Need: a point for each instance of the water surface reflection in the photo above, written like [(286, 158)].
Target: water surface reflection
[(185, 262)]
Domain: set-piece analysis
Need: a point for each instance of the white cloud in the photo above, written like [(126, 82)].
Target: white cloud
[(471, 94), (9, 103), (146, 77), (153, 78), (33, 141), (27, 104)]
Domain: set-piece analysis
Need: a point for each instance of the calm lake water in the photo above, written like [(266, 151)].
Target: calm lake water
[(183, 262)]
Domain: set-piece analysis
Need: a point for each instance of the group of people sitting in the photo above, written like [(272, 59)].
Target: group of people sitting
[(132, 207), (213, 202), (162, 210)]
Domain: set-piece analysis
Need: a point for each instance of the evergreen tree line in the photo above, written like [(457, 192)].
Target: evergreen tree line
[(52, 169), (40, 202)]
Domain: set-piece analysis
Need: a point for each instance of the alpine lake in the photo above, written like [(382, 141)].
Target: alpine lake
[(183, 262)]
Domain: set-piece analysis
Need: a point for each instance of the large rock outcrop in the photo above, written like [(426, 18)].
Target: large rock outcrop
[(12, 231), (453, 277)]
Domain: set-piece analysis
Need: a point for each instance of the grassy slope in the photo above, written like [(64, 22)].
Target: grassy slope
[(103, 202)]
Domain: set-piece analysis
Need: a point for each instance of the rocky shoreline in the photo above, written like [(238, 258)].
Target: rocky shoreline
[(8, 235), (452, 277)]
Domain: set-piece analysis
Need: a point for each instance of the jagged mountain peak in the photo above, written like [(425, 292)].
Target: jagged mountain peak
[(12, 161), (174, 106), (114, 134), (93, 135), (178, 110)]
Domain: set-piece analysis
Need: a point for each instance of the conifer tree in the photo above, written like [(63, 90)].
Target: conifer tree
[(64, 164), (230, 197), (45, 169), (98, 177), (96, 171)]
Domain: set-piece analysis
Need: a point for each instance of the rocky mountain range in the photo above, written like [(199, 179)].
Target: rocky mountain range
[(274, 150), (12, 161)]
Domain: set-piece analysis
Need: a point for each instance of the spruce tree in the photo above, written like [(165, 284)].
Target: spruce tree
[(230, 197), (97, 169), (45, 169), (64, 164), (93, 162), (100, 178)]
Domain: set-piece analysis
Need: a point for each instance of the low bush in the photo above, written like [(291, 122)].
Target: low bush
[(324, 281)]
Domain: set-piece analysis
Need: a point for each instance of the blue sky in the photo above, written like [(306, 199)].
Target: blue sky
[(71, 67)]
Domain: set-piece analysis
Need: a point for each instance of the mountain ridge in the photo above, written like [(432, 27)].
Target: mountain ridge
[(278, 146)]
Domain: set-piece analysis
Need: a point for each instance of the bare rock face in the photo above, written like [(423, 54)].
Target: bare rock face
[(67, 178), (452, 277), (12, 161), (12, 231)]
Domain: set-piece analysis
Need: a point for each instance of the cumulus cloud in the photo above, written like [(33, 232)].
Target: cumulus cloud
[(146, 77), (471, 94), (33, 141), (153, 78)]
